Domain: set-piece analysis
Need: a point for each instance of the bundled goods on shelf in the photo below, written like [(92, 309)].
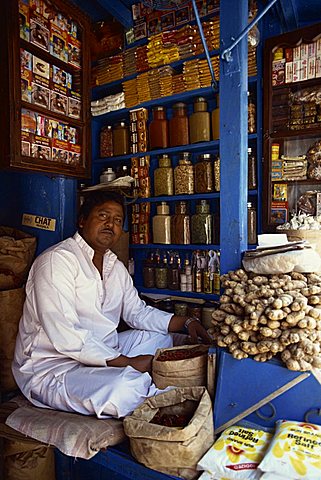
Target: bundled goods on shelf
[(138, 130), (166, 85), (185, 41), (204, 71), (130, 60), (143, 90), (252, 65), (131, 94), (162, 49), (140, 230), (109, 69), (266, 315), (141, 59), (294, 168), (108, 104), (140, 173), (178, 83), (212, 36), (154, 83), (191, 75)]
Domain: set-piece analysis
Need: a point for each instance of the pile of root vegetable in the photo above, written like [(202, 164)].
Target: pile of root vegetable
[(261, 316)]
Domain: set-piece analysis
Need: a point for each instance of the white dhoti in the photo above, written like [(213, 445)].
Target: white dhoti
[(104, 391)]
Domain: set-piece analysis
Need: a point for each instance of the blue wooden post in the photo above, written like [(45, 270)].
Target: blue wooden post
[(233, 135)]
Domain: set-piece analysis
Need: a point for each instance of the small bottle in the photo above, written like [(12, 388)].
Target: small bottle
[(217, 279), (199, 122), (120, 139), (251, 116), (184, 175), (216, 120), (108, 175), (173, 275), (201, 224), (158, 129), (178, 126), (180, 225), (252, 184), (251, 224), (162, 224), (149, 273), (204, 174), (106, 142), (161, 274), (163, 177)]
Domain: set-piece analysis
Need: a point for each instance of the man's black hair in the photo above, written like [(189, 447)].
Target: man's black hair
[(98, 197)]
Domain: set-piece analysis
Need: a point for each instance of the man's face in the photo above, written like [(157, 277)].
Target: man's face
[(103, 226)]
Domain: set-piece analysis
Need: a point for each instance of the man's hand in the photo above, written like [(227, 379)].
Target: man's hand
[(196, 331), (142, 363)]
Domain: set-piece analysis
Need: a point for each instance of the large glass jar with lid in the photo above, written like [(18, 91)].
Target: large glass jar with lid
[(158, 129), (163, 177), (120, 139), (178, 126), (162, 224), (180, 225), (204, 174), (184, 175), (201, 224), (199, 122), (216, 120)]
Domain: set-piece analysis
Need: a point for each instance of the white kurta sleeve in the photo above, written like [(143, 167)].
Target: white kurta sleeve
[(138, 315), (54, 301)]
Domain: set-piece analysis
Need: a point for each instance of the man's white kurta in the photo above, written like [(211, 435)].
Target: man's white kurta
[(70, 319)]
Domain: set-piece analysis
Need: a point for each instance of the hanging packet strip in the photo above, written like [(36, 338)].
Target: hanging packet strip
[(295, 451), (236, 454)]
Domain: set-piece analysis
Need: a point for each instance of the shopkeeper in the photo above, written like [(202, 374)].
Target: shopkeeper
[(69, 355)]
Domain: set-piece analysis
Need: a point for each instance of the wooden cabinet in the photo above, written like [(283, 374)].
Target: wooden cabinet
[(45, 87), (292, 121)]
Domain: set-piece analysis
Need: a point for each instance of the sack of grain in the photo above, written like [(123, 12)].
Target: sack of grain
[(171, 431), (184, 366)]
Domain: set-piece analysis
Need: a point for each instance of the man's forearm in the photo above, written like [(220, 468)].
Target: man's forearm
[(176, 323)]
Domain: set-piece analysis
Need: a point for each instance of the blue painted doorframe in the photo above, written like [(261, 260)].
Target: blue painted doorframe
[(233, 135)]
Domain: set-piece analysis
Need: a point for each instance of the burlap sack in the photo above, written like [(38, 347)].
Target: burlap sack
[(17, 250), (181, 373), (26, 461), (11, 305), (172, 450)]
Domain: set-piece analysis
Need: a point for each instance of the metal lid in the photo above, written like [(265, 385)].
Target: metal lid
[(159, 108), (200, 99), (162, 209), (164, 161), (205, 156), (179, 105)]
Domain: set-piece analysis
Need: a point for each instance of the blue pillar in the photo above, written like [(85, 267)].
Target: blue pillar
[(233, 135)]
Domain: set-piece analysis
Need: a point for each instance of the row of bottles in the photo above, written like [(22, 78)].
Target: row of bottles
[(200, 274), (182, 228), (180, 129)]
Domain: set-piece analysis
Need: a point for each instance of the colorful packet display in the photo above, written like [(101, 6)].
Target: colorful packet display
[(295, 451), (236, 454)]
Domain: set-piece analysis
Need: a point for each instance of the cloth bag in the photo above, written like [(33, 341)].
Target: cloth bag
[(17, 250), (172, 450), (188, 372)]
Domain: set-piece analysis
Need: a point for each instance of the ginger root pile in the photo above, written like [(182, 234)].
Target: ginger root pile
[(264, 315)]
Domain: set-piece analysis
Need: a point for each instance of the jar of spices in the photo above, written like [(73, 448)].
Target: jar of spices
[(106, 142), (158, 129), (108, 175), (252, 184), (199, 122), (207, 312), (216, 120), (148, 274), (163, 177), (251, 116), (120, 139), (217, 173), (180, 225), (178, 126), (251, 224), (184, 175), (180, 309), (161, 274), (173, 275), (204, 174), (162, 224), (201, 224)]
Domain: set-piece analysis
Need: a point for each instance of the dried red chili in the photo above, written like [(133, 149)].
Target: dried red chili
[(171, 420)]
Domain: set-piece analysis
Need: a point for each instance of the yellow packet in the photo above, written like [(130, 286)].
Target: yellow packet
[(295, 451)]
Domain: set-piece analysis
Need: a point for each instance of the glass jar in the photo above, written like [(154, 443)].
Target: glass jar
[(158, 129), (163, 177), (199, 122), (201, 224), (252, 183), (216, 120), (180, 225), (178, 126), (120, 139), (217, 173), (204, 174), (162, 224), (106, 142), (161, 274), (207, 315), (251, 116), (180, 309), (184, 175), (251, 224), (173, 275), (148, 275), (108, 175)]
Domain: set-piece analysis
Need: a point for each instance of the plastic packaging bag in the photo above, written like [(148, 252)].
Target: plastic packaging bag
[(305, 261)]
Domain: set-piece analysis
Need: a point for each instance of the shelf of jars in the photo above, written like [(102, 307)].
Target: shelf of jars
[(174, 246), (177, 293)]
